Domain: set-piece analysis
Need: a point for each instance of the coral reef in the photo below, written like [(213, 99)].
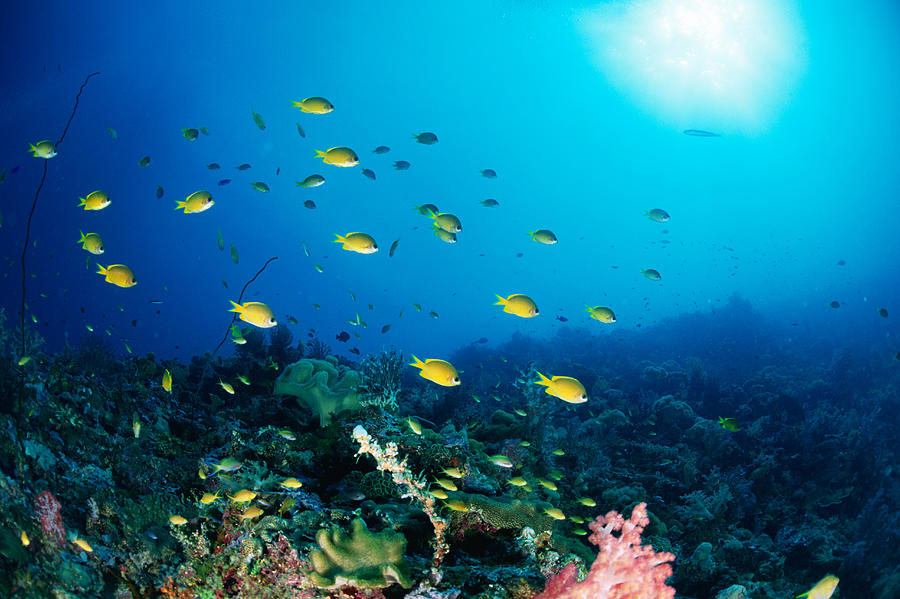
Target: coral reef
[(323, 386)]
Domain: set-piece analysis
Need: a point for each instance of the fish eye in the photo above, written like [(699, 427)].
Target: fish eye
[(456, 379)]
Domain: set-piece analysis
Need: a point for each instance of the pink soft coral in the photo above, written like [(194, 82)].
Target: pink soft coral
[(623, 568)]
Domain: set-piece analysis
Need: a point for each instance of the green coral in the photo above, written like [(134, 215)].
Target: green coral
[(364, 559), (321, 385)]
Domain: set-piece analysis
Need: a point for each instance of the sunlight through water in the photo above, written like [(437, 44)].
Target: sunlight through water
[(728, 65)]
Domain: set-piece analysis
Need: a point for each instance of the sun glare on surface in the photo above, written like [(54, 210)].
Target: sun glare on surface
[(726, 64)]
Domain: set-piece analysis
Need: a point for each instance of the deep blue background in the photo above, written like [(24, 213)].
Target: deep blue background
[(511, 86)]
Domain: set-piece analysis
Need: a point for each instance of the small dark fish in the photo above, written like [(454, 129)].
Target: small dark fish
[(385, 328), (310, 204), (381, 150), (434, 314), (519, 255), (354, 350), (401, 165), (224, 181), (156, 301), (213, 166), (159, 191), (489, 203), (700, 133), (134, 323), (343, 337), (300, 130), (426, 138), (489, 173), (144, 161), (367, 172), (393, 248), (835, 304), (277, 171), (562, 319), (3, 176), (897, 357), (882, 312), (14, 170), (257, 118), (482, 340), (841, 263), (242, 167)]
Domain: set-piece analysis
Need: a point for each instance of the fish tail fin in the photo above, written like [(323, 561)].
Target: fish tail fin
[(417, 363), (530, 234), (102, 271), (340, 238), (236, 307), (296, 103), (82, 238), (320, 154), (501, 301), (179, 205), (543, 380), (588, 308), (431, 213), (82, 201)]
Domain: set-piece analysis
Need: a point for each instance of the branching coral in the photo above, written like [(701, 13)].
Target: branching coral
[(413, 486)]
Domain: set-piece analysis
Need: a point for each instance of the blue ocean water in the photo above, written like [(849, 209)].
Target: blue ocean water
[(781, 248)]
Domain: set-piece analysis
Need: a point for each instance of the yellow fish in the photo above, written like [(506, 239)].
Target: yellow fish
[(437, 371), (286, 434), (209, 498), (177, 520), (291, 483), (564, 387), (577, 519), (555, 513), (256, 313), (456, 505), (314, 105), (361, 243), (250, 513), (601, 313), (518, 304), (339, 156), (446, 483), (84, 545), (518, 481), (446, 221), (547, 484), (414, 426), (439, 493), (96, 200), (24, 538), (43, 149), (118, 274), (823, 589), (558, 452), (522, 412), (543, 236), (229, 389), (196, 202), (444, 235), (243, 496), (454, 472), (587, 501), (243, 379), (91, 242), (167, 381)]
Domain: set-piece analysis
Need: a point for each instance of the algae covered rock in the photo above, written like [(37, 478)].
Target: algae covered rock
[(364, 559), (323, 386)]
